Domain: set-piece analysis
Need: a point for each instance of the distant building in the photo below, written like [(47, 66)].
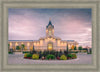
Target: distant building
[(50, 42)]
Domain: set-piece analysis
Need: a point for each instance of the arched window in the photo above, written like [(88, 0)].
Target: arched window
[(50, 46)]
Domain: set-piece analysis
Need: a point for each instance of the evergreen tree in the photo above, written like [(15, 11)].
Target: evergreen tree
[(33, 47), (23, 46), (75, 48), (17, 48), (80, 48), (33, 50)]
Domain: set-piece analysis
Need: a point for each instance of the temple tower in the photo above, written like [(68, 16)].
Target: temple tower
[(50, 29)]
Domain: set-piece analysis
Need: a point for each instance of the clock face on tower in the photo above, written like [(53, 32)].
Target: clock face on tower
[(49, 32)]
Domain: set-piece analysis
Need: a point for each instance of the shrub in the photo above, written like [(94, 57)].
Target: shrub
[(29, 55), (74, 56), (50, 56), (73, 51), (10, 52), (85, 51), (58, 58), (26, 52), (40, 56), (63, 57), (89, 53), (35, 56), (76, 52), (17, 48), (45, 53), (69, 55), (25, 55), (52, 52), (43, 58), (57, 54)]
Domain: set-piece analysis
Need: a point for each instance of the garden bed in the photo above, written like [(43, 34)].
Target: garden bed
[(50, 56)]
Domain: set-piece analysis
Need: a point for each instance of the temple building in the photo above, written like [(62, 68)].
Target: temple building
[(49, 42)]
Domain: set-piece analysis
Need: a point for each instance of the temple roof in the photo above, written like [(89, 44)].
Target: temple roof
[(20, 40), (50, 23)]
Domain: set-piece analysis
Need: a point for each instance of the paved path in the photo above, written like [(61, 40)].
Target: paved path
[(81, 59)]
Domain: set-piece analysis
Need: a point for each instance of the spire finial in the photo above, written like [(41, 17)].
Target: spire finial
[(50, 23), (49, 19)]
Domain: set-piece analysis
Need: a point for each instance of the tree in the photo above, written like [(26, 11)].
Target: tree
[(75, 48), (33, 48), (90, 50), (67, 48), (72, 47), (33, 52), (17, 48), (80, 48), (23, 46)]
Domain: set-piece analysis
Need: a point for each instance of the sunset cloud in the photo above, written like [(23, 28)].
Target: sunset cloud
[(69, 24)]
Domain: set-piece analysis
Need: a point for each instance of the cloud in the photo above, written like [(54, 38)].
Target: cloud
[(69, 24)]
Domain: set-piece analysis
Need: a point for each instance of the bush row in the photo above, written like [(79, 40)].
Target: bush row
[(50, 56)]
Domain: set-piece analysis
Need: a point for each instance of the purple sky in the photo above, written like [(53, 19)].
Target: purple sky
[(69, 24)]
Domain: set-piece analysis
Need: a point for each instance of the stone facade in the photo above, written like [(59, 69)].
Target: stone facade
[(50, 42)]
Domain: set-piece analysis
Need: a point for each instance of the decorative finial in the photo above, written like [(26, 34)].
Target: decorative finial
[(49, 19)]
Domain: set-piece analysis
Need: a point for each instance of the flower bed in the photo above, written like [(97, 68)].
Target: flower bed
[(42, 56)]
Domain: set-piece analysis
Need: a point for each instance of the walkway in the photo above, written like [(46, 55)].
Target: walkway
[(81, 59)]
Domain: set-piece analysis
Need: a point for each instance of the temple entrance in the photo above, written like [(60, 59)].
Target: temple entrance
[(50, 46)]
